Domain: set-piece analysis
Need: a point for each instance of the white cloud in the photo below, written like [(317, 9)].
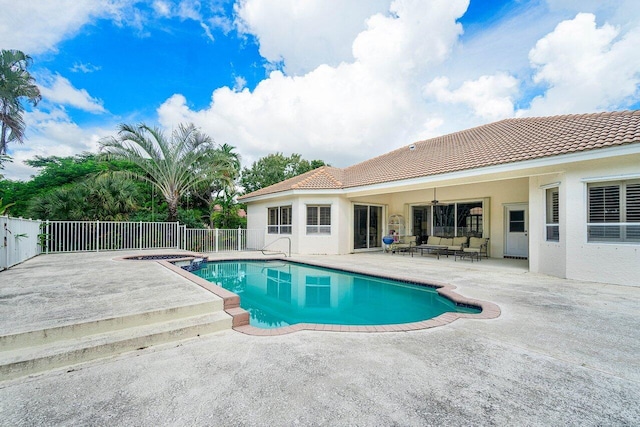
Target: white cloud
[(37, 26), (307, 33), (585, 67), (58, 89), (490, 97), (412, 39), (193, 10), (52, 133), (162, 8), (80, 67), (341, 113), (240, 83)]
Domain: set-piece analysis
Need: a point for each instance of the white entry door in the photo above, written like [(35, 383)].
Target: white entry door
[(517, 230)]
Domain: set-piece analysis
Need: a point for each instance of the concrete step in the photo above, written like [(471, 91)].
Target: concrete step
[(69, 331), (51, 355)]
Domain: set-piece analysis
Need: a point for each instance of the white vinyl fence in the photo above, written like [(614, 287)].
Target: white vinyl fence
[(86, 236), (25, 238), (220, 240), (19, 240)]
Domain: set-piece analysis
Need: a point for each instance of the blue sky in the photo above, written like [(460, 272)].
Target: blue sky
[(336, 80)]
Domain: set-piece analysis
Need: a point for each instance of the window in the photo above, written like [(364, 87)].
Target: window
[(469, 219), (318, 219), (516, 221), (613, 212), (449, 220), (552, 215), (279, 220)]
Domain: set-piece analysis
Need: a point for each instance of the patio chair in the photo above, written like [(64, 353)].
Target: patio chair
[(477, 248), (404, 244), (457, 244)]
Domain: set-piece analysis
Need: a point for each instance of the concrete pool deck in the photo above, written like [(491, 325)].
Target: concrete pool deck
[(561, 353)]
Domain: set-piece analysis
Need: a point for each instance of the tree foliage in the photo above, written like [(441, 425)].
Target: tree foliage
[(104, 198), (225, 211), (15, 84), (55, 172), (275, 168), (175, 165)]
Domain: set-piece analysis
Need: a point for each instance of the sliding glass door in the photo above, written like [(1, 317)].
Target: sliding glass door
[(448, 220), (367, 227)]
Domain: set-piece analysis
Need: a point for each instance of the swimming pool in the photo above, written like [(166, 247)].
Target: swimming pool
[(280, 293)]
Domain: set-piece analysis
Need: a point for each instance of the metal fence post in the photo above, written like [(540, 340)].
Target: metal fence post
[(97, 234), (217, 237), (47, 237), (239, 238)]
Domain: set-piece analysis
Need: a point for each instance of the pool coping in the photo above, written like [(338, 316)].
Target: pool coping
[(240, 317)]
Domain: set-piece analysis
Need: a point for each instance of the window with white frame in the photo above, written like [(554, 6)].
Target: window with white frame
[(318, 219), (613, 212), (279, 220), (552, 216)]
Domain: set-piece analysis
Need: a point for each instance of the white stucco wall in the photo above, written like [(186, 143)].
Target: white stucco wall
[(598, 262), (546, 257), (338, 242), (321, 244), (257, 213)]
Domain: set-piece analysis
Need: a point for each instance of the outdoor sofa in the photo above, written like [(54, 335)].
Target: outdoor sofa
[(461, 246), (443, 245)]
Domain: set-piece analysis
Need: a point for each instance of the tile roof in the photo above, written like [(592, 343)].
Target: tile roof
[(506, 141)]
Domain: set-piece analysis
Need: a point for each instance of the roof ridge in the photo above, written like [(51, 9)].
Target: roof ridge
[(321, 170)]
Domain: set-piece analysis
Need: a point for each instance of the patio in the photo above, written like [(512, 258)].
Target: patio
[(562, 353)]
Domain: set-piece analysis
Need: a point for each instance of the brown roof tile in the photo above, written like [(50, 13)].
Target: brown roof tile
[(322, 178), (506, 141)]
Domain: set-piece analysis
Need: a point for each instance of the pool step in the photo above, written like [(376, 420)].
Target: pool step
[(27, 360), (64, 332)]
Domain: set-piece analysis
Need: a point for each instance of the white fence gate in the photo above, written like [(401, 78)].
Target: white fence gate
[(19, 240)]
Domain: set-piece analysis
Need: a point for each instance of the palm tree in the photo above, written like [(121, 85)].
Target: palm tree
[(111, 198), (15, 83), (175, 165)]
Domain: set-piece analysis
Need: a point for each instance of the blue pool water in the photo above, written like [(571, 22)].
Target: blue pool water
[(278, 293)]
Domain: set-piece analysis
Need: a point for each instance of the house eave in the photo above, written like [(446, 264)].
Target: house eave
[(525, 167), (294, 193), (512, 170)]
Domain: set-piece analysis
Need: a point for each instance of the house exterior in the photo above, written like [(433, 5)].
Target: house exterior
[(562, 192)]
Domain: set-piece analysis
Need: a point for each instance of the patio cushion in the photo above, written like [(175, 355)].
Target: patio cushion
[(476, 242), (433, 240), (460, 241), (457, 244), (446, 241)]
